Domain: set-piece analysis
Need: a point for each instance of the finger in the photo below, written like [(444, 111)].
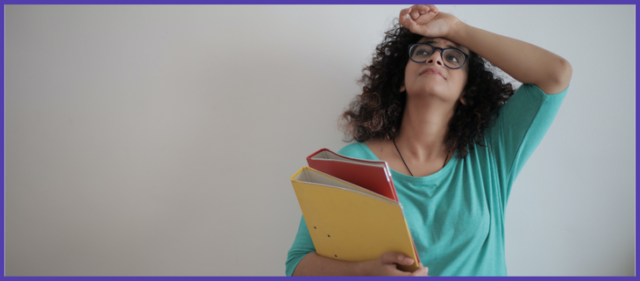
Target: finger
[(402, 259), (390, 270), (403, 17), (415, 11), (397, 272), (393, 257), (423, 271), (402, 273), (423, 9), (415, 14), (411, 25), (408, 22), (430, 10)]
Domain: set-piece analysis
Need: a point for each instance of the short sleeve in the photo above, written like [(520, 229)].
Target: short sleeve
[(302, 246), (521, 124), (355, 150)]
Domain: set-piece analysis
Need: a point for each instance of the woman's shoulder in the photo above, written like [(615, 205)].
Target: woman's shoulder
[(356, 150)]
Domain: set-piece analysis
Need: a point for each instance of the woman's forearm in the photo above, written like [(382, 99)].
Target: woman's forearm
[(523, 61), (315, 265)]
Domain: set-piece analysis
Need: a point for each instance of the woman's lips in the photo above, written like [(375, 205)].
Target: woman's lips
[(431, 71)]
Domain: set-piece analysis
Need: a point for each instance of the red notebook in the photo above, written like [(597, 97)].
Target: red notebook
[(370, 174)]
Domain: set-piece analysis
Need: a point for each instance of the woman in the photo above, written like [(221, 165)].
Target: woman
[(441, 120)]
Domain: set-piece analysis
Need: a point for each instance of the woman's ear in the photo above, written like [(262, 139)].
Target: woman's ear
[(402, 88), (463, 101)]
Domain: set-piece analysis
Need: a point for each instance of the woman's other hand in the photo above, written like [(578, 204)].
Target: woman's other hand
[(427, 21), (385, 265)]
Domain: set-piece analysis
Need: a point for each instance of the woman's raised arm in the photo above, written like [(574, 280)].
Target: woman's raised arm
[(525, 62)]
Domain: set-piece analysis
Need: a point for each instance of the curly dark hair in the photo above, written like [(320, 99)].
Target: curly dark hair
[(377, 112)]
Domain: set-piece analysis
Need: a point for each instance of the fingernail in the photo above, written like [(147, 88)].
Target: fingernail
[(408, 260)]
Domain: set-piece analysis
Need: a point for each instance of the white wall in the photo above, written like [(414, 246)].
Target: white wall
[(159, 140)]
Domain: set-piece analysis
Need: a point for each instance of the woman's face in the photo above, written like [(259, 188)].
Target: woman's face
[(433, 77)]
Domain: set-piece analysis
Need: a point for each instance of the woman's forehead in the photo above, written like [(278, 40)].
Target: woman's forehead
[(441, 41)]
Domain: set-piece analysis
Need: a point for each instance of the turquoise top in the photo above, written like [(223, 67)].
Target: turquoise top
[(456, 215)]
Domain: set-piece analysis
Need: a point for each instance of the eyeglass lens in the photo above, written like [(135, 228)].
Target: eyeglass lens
[(451, 57)]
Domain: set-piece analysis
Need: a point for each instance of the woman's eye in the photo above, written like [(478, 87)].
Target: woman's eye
[(452, 58)]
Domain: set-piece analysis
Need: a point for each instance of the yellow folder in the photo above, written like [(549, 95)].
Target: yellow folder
[(348, 222)]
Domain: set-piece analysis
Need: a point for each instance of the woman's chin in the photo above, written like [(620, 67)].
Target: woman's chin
[(430, 92)]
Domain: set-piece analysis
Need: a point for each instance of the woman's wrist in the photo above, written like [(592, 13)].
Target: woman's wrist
[(361, 268), (458, 32)]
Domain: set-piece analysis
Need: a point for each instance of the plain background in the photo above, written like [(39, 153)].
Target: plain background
[(159, 140)]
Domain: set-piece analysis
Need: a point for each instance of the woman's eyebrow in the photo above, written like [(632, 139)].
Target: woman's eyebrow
[(433, 41)]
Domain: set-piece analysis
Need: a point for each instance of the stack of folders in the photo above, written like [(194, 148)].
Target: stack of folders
[(351, 208)]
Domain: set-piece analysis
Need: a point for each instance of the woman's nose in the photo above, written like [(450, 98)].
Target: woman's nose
[(436, 58)]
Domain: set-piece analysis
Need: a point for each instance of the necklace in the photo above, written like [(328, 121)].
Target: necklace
[(405, 163)]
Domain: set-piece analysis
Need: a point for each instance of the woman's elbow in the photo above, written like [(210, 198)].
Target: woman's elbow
[(565, 71), (557, 80)]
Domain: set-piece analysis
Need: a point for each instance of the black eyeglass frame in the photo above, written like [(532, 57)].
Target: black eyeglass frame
[(466, 57)]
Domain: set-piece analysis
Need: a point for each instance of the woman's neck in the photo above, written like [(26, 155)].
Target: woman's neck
[(423, 130)]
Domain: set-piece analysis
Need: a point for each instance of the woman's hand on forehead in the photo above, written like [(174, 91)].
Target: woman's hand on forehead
[(427, 21)]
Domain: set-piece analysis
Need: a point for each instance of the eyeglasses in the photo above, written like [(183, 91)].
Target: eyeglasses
[(452, 57)]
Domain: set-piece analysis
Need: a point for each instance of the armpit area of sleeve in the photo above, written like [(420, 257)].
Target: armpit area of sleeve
[(292, 261), (538, 128), (535, 89)]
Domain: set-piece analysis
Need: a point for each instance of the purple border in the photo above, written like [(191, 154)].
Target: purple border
[(323, 2), (637, 103), (197, 278), (2, 134), (277, 2)]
